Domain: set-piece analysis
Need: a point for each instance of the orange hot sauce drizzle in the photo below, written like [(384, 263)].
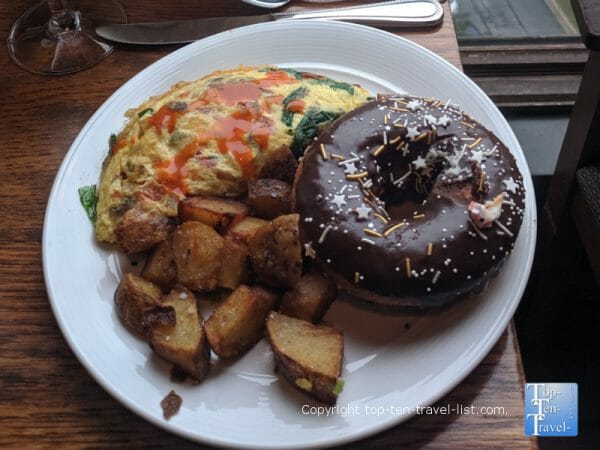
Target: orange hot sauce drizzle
[(231, 133)]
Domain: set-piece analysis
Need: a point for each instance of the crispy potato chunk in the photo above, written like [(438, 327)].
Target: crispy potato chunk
[(310, 298), (239, 322), (245, 229), (275, 252), (269, 198), (160, 266), (133, 297), (281, 165), (234, 263), (140, 229), (184, 343), (309, 356), (197, 250), (218, 213)]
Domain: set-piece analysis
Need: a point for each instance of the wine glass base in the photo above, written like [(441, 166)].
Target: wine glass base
[(36, 46)]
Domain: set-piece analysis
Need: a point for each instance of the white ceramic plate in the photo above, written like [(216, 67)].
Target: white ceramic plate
[(244, 404)]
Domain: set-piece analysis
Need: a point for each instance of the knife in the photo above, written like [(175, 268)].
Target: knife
[(397, 13)]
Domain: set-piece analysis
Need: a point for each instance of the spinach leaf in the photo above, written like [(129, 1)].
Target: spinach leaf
[(145, 111), (286, 115), (88, 196), (112, 141), (336, 85), (309, 127), (297, 75)]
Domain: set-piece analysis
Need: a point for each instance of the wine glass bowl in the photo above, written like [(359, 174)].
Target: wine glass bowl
[(57, 37)]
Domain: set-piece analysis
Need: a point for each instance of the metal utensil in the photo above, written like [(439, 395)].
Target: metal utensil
[(397, 13)]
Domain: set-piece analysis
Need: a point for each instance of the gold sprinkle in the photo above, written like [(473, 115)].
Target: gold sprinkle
[(421, 136), (380, 217), (324, 152), (398, 109), (401, 145), (356, 277), (408, 267), (396, 139), (419, 216), (338, 157), (393, 228), (357, 176), (372, 232), (429, 249), (468, 125), (385, 119), (481, 179), (474, 144), (378, 150)]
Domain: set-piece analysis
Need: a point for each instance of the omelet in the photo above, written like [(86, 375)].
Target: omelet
[(213, 135)]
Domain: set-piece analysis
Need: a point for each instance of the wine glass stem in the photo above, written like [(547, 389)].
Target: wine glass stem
[(62, 18)]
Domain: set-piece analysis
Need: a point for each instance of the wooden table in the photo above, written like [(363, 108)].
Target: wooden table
[(47, 399)]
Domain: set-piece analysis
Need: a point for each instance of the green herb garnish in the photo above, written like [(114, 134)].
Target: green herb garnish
[(336, 85), (145, 111), (288, 116), (88, 196), (112, 141), (297, 75), (309, 127)]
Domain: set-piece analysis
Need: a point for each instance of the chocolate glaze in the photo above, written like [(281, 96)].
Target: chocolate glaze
[(444, 160)]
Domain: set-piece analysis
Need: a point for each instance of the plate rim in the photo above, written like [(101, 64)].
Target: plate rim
[(484, 348)]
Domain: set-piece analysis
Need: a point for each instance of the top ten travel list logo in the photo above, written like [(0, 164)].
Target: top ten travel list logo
[(551, 409)]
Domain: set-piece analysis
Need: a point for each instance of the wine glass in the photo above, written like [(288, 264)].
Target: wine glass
[(56, 37)]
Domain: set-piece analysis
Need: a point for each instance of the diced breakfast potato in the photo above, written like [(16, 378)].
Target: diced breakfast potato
[(245, 229), (281, 165), (133, 297), (239, 322), (234, 263), (310, 298), (160, 266), (218, 213), (275, 252), (197, 250), (269, 198), (307, 355), (140, 229), (184, 343)]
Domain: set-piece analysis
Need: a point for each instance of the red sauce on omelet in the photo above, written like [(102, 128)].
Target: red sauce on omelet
[(233, 133)]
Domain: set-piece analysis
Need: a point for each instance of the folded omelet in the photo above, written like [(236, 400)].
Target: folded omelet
[(210, 136)]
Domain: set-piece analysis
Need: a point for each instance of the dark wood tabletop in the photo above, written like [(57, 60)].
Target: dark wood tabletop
[(47, 399)]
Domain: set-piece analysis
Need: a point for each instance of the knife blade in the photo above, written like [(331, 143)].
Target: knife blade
[(396, 13)]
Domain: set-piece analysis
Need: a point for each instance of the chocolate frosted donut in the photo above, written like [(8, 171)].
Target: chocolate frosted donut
[(409, 201)]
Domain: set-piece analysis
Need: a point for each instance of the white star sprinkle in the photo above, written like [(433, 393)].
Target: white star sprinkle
[(444, 121), (413, 105), (362, 211), (511, 185), (412, 133), (430, 120), (419, 163), (339, 200), (349, 168), (309, 250), (477, 156)]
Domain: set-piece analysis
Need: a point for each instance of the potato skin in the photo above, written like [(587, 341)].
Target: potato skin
[(197, 251), (239, 322), (184, 343), (234, 263), (245, 229), (160, 266), (307, 355), (275, 252), (281, 165), (310, 298), (269, 198), (133, 297), (139, 229), (218, 213)]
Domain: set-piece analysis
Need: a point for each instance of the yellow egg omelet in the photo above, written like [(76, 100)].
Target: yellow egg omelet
[(210, 136)]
